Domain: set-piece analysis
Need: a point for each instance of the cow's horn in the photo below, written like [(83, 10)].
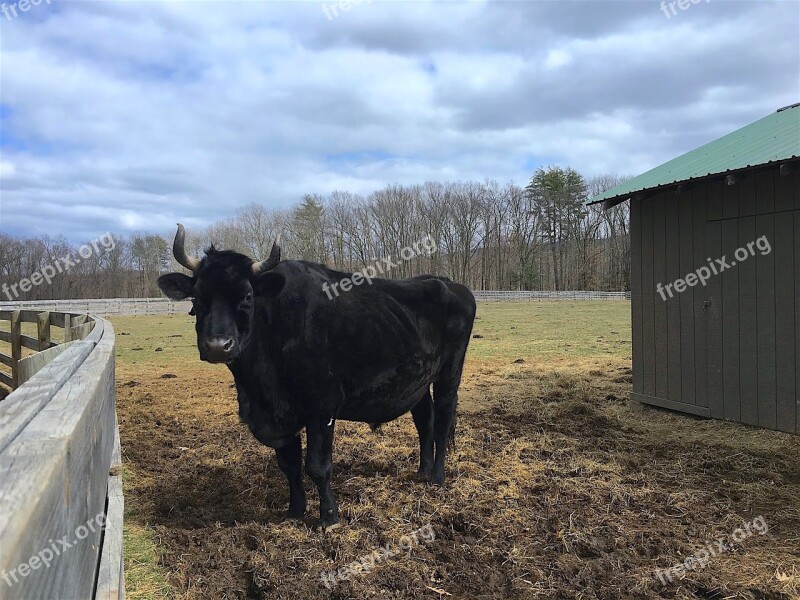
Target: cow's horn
[(272, 261), (179, 251)]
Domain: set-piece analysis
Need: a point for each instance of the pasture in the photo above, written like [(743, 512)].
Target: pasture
[(556, 489)]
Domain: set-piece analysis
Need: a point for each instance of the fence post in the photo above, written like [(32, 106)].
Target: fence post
[(67, 326), (16, 347), (78, 320), (43, 329)]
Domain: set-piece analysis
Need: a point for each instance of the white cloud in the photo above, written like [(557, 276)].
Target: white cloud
[(557, 58), (135, 115)]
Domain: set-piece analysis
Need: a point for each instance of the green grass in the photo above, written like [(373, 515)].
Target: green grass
[(546, 330), (139, 337), (145, 579), (552, 330)]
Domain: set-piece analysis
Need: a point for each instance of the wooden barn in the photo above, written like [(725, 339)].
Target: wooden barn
[(715, 276)]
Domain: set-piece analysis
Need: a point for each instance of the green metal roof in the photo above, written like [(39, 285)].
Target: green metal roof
[(776, 137)]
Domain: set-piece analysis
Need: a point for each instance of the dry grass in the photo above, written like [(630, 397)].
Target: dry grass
[(557, 489)]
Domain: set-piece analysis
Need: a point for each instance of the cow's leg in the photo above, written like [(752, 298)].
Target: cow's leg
[(290, 460), (423, 419), (445, 394), (319, 466)]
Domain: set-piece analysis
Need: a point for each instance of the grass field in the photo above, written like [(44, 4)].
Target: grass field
[(557, 488)]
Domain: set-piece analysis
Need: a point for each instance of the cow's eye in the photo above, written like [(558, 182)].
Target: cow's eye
[(248, 299)]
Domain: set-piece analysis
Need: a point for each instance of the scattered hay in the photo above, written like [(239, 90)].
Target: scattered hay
[(557, 489), (553, 492)]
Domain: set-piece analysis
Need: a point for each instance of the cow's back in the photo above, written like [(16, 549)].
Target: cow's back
[(384, 343)]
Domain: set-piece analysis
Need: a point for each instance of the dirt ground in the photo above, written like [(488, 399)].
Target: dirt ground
[(557, 488)]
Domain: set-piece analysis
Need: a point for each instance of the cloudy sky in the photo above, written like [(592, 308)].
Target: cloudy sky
[(130, 116)]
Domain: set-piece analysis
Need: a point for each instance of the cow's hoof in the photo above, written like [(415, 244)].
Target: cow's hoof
[(294, 515), (329, 526), (328, 519), (423, 475), (436, 479)]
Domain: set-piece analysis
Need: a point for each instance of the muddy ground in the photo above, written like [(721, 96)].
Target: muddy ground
[(557, 488)]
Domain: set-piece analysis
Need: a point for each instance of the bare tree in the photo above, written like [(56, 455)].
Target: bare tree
[(487, 236)]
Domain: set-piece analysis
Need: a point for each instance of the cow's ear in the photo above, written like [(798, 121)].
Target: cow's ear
[(176, 286), (269, 285)]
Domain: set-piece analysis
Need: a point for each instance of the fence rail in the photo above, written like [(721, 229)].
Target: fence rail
[(76, 327), (108, 306), (59, 462), (156, 306), (498, 295)]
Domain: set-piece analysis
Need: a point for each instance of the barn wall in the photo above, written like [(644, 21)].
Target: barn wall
[(729, 349)]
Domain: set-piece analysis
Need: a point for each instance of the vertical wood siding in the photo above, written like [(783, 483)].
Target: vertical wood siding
[(731, 348), (637, 338)]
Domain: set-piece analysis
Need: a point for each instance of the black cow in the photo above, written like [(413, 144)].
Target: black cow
[(302, 358)]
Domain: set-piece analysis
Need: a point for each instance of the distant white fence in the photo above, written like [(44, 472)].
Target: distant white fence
[(109, 306), (496, 296), (159, 306)]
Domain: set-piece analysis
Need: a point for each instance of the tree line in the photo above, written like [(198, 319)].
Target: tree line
[(486, 235)]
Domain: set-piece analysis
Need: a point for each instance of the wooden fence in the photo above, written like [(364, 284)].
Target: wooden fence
[(61, 504), (501, 295), (108, 306), (76, 327), (156, 306)]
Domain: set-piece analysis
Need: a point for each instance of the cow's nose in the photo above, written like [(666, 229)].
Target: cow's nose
[(218, 349)]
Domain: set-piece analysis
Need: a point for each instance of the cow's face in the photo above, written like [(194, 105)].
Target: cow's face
[(225, 288)]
